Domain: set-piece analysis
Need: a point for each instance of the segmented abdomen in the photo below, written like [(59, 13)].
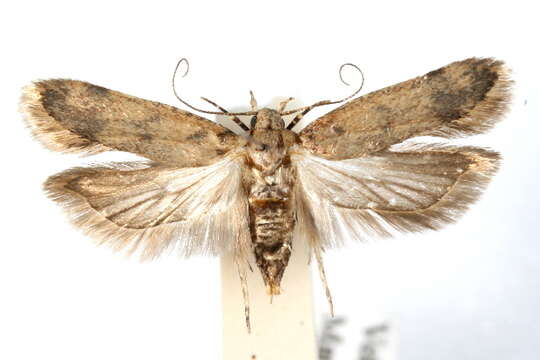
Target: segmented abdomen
[(271, 225)]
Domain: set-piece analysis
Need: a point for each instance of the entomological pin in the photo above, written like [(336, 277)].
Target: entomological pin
[(204, 189)]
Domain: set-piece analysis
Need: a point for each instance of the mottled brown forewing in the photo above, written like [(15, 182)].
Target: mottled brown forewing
[(75, 116), (464, 98)]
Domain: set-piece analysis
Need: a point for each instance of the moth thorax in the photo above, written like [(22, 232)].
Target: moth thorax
[(267, 119)]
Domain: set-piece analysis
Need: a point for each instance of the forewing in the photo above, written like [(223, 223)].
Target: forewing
[(151, 208), (466, 97), (75, 116), (415, 188)]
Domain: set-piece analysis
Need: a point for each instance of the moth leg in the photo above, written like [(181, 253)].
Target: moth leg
[(322, 275), (245, 293), (310, 255), (235, 118)]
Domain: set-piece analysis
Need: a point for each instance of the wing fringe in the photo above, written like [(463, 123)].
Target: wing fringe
[(334, 224), (49, 132), (488, 112), (181, 238), (466, 190)]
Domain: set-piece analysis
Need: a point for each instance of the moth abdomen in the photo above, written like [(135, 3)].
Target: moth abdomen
[(271, 225)]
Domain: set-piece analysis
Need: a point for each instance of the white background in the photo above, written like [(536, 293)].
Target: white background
[(470, 291)]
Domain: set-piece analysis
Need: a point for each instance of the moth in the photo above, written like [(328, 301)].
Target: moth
[(350, 174)]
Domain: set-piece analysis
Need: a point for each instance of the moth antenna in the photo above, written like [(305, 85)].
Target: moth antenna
[(283, 104), (235, 118), (322, 275), (346, 83), (184, 60), (245, 292), (252, 101), (304, 110), (214, 104)]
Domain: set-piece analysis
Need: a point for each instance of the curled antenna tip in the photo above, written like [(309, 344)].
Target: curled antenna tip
[(223, 112), (304, 110), (182, 60), (341, 72)]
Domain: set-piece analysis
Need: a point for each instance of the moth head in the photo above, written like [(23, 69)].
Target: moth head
[(267, 119)]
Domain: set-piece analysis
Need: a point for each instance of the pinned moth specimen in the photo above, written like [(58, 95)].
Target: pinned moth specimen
[(206, 190)]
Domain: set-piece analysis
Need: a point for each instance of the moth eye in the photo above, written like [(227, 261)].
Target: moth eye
[(253, 121), (260, 147)]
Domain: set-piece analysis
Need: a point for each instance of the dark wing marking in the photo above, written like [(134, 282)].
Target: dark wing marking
[(75, 116), (466, 97)]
